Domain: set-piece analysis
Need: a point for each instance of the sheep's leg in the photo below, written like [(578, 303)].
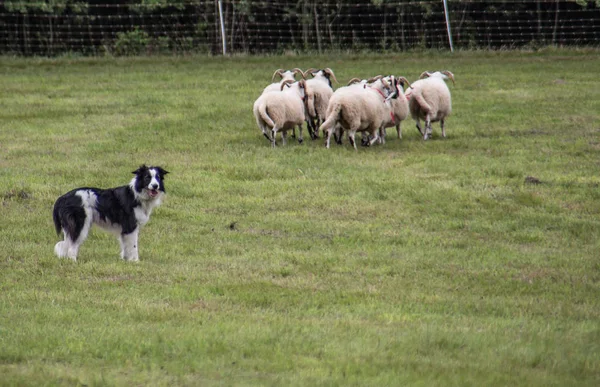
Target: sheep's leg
[(339, 132), (273, 136), (399, 130), (364, 139), (293, 133), (284, 136), (316, 131), (428, 130), (310, 127), (328, 140), (419, 127), (351, 138), (300, 139), (375, 138), (265, 130), (382, 133), (443, 128)]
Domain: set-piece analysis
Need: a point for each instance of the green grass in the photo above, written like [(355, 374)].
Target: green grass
[(413, 263)]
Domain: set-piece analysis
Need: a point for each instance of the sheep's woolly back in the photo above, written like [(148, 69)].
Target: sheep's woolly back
[(283, 109), (322, 94), (429, 96), (355, 108)]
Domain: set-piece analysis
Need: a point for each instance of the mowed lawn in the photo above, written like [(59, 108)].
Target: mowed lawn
[(471, 261)]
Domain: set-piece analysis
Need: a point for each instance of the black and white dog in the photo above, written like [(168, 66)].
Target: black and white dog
[(122, 210)]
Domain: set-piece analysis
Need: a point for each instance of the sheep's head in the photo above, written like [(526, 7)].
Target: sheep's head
[(279, 72), (312, 71), (391, 86), (449, 75), (329, 74), (445, 74), (403, 82), (326, 73), (301, 84), (287, 74)]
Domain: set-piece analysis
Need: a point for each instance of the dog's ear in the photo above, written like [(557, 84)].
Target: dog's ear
[(161, 171), (140, 170)]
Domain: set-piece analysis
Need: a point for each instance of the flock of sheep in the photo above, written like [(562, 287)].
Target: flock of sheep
[(368, 106)]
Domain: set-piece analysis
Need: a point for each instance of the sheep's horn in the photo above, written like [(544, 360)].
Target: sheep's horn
[(330, 72), (297, 70), (287, 83), (310, 70), (402, 79), (375, 78), (385, 83), (425, 74), (449, 74), (353, 80), (277, 72)]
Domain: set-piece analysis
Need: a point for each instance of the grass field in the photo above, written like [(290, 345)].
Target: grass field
[(412, 263)]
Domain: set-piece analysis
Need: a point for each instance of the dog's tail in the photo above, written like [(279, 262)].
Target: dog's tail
[(68, 218), (56, 218)]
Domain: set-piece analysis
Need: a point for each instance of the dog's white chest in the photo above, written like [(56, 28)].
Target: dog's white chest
[(142, 215)]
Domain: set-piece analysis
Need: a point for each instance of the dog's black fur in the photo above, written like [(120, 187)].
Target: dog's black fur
[(122, 210)]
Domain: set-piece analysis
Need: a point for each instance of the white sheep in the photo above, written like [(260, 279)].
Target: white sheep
[(286, 75), (354, 83), (282, 111), (322, 90), (398, 110), (359, 109), (429, 99)]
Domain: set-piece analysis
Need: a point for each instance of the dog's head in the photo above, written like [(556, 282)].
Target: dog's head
[(148, 182)]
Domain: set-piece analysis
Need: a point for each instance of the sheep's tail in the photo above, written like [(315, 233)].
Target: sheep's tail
[(332, 118), (262, 111), (421, 101)]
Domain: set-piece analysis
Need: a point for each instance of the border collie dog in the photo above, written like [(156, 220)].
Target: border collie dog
[(122, 210)]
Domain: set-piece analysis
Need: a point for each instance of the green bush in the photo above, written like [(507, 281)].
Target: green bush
[(131, 43)]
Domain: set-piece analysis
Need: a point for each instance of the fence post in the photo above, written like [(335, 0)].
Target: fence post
[(223, 40), (448, 25)]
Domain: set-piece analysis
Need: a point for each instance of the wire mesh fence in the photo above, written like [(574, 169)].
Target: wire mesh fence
[(138, 27)]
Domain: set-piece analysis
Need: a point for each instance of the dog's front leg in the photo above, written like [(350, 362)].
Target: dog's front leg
[(129, 246)]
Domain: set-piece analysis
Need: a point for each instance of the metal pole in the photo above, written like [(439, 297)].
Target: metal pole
[(448, 25), (224, 42)]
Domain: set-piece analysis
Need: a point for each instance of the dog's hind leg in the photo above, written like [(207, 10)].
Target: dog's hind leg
[(73, 246), (129, 246), (61, 248)]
